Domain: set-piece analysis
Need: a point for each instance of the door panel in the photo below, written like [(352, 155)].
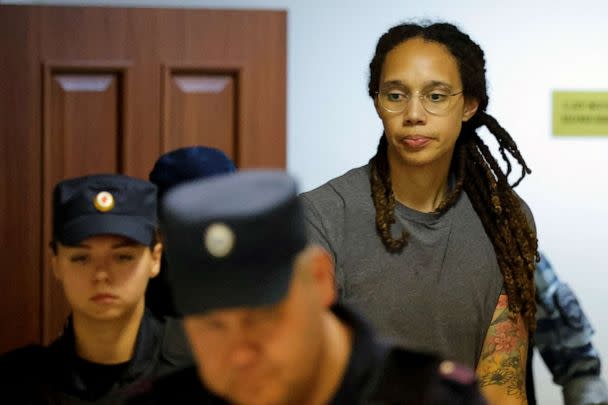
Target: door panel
[(82, 126), (20, 179), (84, 109), (200, 110), (101, 89)]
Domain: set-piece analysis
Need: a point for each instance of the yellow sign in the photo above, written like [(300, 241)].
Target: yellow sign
[(580, 113)]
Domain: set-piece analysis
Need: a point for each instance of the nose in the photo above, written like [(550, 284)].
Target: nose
[(245, 344), (414, 113), (101, 271), (240, 342), (244, 353)]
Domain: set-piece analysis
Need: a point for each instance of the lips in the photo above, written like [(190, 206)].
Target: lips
[(416, 141), (104, 298)]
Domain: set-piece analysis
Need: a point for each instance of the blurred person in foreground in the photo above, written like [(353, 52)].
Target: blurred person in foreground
[(258, 306)]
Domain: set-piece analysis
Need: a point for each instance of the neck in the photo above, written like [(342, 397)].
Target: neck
[(420, 187), (107, 342), (334, 360)]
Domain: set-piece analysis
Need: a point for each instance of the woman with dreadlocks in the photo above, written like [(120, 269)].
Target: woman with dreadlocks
[(429, 239)]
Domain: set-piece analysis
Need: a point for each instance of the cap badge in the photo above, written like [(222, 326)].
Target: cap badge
[(219, 240), (104, 201)]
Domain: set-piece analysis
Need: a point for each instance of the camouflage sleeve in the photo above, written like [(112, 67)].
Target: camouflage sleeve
[(590, 389), (563, 338)]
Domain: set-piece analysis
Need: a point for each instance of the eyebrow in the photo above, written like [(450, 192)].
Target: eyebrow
[(431, 83), (125, 243)]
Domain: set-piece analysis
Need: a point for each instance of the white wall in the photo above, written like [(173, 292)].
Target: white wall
[(531, 48)]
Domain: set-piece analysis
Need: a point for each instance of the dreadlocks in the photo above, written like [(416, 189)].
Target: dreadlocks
[(476, 171)]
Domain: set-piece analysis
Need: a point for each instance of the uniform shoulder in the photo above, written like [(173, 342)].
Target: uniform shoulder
[(409, 361), (22, 355), (26, 365), (180, 387), (456, 373), (456, 381), (175, 348), (22, 351), (412, 375)]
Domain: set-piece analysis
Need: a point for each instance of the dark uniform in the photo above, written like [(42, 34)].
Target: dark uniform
[(85, 207), (376, 374), (171, 169), (255, 226), (56, 375)]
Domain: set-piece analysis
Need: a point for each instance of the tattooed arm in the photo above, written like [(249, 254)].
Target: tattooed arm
[(502, 366)]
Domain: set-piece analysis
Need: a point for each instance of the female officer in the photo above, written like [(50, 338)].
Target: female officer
[(429, 239), (104, 253)]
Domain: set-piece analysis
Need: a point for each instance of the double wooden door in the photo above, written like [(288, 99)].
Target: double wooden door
[(94, 89)]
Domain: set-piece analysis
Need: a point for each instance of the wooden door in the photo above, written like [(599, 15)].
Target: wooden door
[(94, 89)]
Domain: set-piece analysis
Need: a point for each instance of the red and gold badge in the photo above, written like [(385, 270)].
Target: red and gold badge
[(104, 201)]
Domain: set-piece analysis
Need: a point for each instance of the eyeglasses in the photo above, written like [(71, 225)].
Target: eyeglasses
[(434, 101)]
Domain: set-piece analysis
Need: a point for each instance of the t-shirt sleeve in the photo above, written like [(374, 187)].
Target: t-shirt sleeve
[(324, 216), (315, 227)]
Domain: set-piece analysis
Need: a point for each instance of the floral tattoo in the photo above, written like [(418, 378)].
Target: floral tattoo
[(503, 358)]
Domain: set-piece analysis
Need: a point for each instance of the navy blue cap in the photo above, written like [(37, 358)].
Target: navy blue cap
[(231, 240), (103, 204), (172, 168), (189, 163)]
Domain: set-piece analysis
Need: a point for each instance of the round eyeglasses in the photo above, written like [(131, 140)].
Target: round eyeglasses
[(435, 101)]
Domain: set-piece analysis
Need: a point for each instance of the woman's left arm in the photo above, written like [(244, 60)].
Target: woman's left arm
[(502, 365)]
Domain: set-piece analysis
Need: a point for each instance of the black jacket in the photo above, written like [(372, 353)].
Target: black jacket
[(377, 373), (55, 375)]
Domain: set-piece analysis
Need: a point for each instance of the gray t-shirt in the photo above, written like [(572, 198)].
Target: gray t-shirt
[(437, 295)]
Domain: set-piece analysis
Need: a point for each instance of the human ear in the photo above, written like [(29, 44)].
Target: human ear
[(377, 107), (55, 268), (156, 256), (470, 108)]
